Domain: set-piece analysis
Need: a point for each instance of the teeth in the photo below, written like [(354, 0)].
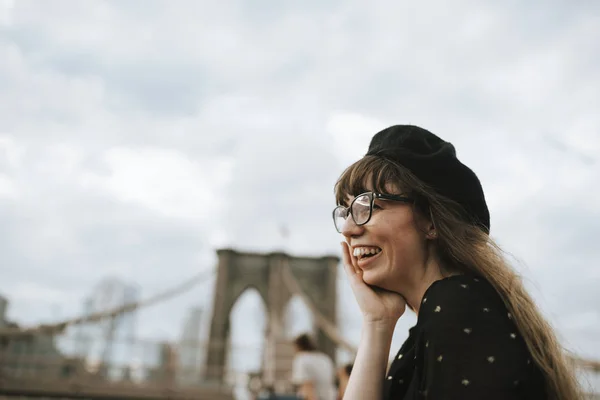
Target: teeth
[(361, 251)]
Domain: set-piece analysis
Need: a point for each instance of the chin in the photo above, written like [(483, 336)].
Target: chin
[(376, 278)]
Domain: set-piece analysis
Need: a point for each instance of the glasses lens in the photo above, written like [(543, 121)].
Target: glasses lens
[(361, 209), (340, 214)]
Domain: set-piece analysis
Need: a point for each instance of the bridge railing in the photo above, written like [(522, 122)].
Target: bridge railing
[(125, 367), (53, 353)]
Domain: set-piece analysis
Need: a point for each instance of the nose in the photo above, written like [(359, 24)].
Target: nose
[(350, 229)]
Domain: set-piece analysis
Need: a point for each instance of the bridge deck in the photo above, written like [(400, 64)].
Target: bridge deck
[(102, 391)]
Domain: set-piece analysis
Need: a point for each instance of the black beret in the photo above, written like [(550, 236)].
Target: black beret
[(434, 161)]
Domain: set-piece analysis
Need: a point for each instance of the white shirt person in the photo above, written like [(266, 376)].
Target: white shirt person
[(313, 371)]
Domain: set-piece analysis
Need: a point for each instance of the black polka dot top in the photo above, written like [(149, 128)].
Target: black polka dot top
[(464, 346)]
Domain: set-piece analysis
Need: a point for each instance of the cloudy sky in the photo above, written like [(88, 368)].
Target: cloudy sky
[(136, 137)]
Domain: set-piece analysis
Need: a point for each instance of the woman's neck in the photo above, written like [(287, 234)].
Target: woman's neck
[(418, 284)]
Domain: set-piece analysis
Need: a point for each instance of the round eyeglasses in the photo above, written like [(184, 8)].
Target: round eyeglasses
[(361, 208)]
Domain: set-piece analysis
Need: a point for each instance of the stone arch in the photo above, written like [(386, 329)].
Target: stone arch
[(238, 294), (294, 308), (248, 318), (236, 271)]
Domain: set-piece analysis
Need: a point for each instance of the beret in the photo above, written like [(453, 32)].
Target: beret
[(434, 161)]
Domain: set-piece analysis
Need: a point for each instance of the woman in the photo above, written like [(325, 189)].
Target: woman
[(416, 224), (312, 371)]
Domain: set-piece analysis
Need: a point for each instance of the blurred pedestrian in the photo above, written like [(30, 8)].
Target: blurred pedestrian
[(313, 371)]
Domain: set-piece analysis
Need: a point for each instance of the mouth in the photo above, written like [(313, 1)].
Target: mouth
[(366, 252)]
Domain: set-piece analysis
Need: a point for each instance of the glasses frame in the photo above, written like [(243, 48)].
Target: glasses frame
[(374, 196)]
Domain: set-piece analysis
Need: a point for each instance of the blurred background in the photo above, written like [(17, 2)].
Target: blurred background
[(139, 137)]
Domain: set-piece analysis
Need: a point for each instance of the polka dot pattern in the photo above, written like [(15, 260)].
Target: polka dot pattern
[(465, 345)]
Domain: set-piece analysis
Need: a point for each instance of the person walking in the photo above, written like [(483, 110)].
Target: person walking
[(313, 371)]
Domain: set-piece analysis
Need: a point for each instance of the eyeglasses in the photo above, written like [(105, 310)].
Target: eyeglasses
[(361, 208)]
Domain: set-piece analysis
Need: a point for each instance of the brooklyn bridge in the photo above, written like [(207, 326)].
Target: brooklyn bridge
[(53, 360)]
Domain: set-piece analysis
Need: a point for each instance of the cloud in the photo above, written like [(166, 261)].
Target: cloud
[(163, 181), (7, 187)]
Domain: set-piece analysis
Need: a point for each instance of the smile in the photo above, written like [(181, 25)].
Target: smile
[(366, 252)]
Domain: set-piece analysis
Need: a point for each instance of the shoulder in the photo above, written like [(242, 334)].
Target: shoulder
[(457, 295), (468, 340), (325, 358), (301, 359), (460, 300), (326, 364), (303, 362), (304, 356), (312, 357)]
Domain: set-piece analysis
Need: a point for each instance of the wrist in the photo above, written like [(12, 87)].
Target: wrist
[(380, 326)]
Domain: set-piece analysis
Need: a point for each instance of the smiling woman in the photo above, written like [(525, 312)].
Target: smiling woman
[(416, 228)]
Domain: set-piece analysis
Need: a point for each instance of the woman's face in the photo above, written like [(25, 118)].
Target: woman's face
[(390, 247)]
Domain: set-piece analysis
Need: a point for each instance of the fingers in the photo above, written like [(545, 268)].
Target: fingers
[(346, 259), (349, 266), (353, 260)]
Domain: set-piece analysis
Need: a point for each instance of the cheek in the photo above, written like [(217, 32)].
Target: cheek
[(397, 233), (404, 245)]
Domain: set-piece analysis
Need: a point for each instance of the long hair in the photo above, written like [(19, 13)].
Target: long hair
[(464, 247)]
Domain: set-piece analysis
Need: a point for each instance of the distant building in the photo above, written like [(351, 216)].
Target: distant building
[(3, 307), (30, 355), (166, 371), (190, 350)]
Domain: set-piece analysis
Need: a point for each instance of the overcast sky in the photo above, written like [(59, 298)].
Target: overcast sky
[(136, 137)]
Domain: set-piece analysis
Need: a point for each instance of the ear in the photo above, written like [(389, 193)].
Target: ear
[(427, 226), (431, 232)]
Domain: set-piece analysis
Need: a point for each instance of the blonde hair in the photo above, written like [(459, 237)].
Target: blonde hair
[(464, 247)]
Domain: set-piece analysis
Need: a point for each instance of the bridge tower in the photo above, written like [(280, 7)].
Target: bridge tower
[(237, 272)]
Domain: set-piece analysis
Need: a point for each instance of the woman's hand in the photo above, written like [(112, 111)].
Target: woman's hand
[(381, 310), (377, 305)]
